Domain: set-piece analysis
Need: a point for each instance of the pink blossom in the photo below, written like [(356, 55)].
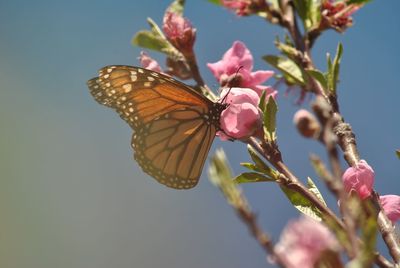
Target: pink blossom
[(179, 31), (239, 56), (391, 206), (242, 118), (149, 63), (306, 124), (239, 6), (337, 14), (302, 242), (360, 179)]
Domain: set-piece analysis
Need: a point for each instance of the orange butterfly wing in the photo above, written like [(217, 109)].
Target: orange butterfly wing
[(174, 126)]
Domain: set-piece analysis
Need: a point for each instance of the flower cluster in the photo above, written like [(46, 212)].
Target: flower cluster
[(337, 14), (235, 74), (360, 179), (303, 241)]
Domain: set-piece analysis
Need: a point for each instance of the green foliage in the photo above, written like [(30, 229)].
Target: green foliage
[(270, 120), (313, 188), (252, 177), (220, 175), (287, 49), (259, 165), (332, 76), (302, 203), (291, 71), (357, 2), (215, 2), (310, 12), (262, 103), (320, 77), (176, 7), (369, 229), (154, 40)]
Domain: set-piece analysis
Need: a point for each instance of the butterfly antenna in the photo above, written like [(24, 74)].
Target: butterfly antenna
[(229, 90)]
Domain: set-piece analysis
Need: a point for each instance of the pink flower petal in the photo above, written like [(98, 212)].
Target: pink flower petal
[(391, 206), (242, 118), (148, 62), (360, 179), (302, 242)]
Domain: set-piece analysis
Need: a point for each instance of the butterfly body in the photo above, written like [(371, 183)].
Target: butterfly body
[(174, 125)]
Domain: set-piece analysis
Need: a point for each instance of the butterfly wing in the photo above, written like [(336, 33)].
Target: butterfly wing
[(174, 126)]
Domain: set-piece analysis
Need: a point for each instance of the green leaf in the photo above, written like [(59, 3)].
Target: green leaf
[(288, 67), (260, 165), (332, 75), (336, 66), (301, 203), (357, 2), (220, 175), (215, 2), (270, 120), (261, 104), (248, 177), (149, 40), (288, 49), (319, 76), (398, 153), (176, 7), (309, 11), (313, 188)]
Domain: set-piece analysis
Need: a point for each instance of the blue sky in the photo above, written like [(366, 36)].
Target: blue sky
[(71, 194)]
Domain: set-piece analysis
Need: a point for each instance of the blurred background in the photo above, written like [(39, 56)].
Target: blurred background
[(71, 194)]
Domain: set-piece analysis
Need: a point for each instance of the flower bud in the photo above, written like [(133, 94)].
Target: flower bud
[(180, 32), (242, 118), (149, 63), (306, 124), (360, 179), (391, 206), (303, 241)]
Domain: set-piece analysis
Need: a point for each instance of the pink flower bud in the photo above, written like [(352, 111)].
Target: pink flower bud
[(245, 7), (306, 124), (360, 179), (242, 118), (337, 14), (149, 63), (391, 206), (239, 6), (226, 70), (303, 241), (179, 32)]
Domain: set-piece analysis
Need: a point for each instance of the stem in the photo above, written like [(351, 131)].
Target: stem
[(342, 129)]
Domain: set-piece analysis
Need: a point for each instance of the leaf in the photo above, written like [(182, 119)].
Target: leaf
[(301, 203), (215, 2), (155, 40), (309, 11), (332, 75), (148, 40), (313, 188), (260, 165), (261, 104), (270, 120), (357, 2), (176, 7), (287, 49), (398, 153), (220, 175), (336, 66), (320, 77), (288, 67), (248, 177)]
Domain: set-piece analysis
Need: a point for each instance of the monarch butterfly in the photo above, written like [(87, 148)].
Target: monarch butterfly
[(174, 125)]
